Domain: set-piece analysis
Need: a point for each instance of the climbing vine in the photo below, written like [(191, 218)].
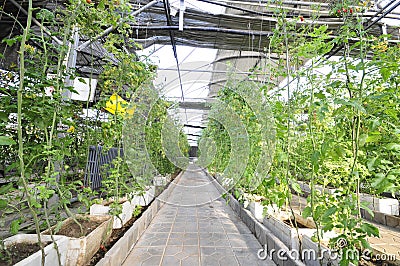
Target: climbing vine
[(336, 124)]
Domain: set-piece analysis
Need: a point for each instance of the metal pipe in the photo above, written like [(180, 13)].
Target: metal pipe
[(110, 29), (383, 15), (211, 71), (283, 2), (379, 12)]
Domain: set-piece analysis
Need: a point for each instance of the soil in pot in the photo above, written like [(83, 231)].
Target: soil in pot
[(19, 251), (110, 202), (72, 229), (115, 236), (292, 223), (174, 175)]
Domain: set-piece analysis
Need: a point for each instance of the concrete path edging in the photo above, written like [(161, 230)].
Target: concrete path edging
[(120, 250), (263, 234)]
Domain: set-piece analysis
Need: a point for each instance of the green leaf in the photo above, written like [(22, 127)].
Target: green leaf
[(385, 73), (373, 138), (369, 229), (320, 95), (5, 189), (360, 66), (326, 146), (296, 187), (58, 227), (306, 212), (9, 42), (364, 205), (315, 159), (3, 204), (14, 226), (4, 140), (365, 243), (330, 211), (3, 116), (371, 163), (353, 103), (391, 112), (363, 139), (393, 147), (379, 177)]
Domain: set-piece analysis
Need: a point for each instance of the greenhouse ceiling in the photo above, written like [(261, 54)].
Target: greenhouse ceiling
[(229, 32)]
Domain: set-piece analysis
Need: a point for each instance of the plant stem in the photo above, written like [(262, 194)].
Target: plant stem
[(46, 215), (288, 193), (19, 127), (312, 180), (49, 141)]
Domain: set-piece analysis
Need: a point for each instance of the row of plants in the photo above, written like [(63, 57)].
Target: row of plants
[(336, 122), (46, 137)]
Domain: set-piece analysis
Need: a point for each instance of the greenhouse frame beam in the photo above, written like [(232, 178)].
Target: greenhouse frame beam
[(208, 29), (195, 105), (110, 29), (193, 135), (384, 14), (193, 126), (283, 2), (297, 11)]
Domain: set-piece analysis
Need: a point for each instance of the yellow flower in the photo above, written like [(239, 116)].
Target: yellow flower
[(30, 49), (71, 129)]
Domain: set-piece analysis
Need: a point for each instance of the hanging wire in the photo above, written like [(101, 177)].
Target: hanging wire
[(173, 43)]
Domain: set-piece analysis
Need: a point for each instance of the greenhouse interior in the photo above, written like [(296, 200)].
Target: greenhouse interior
[(199, 132)]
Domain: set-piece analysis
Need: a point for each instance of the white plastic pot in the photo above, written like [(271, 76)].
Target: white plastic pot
[(51, 258)]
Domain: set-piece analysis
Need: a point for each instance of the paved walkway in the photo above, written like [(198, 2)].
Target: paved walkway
[(196, 227)]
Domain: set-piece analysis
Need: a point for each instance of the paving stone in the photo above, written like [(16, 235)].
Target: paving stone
[(150, 239), (185, 227), (216, 256), (144, 256), (206, 231), (248, 256), (208, 239), (243, 241), (170, 261), (211, 227), (160, 227), (191, 261), (181, 252), (183, 239)]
